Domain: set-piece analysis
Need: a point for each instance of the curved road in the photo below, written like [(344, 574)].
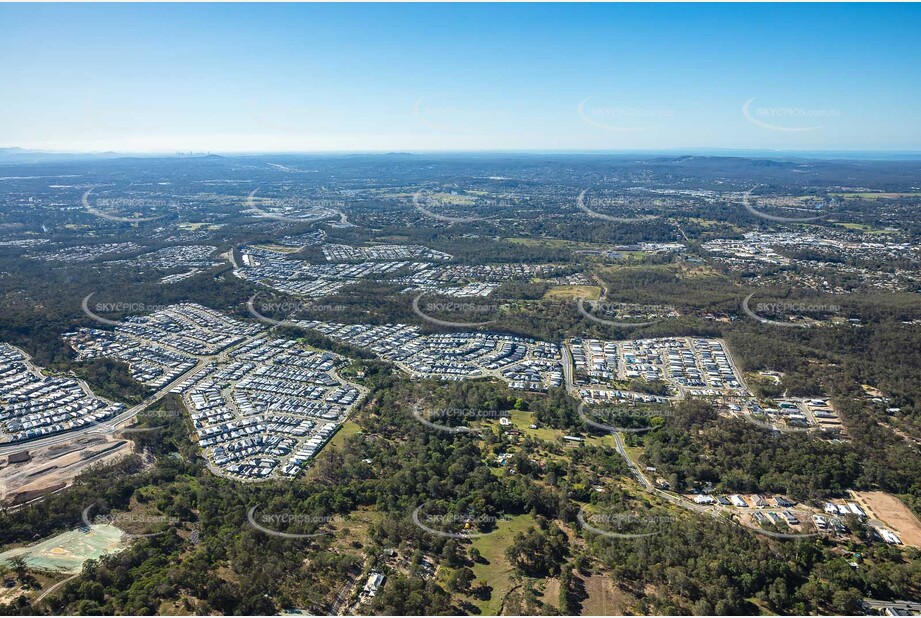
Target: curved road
[(620, 447)]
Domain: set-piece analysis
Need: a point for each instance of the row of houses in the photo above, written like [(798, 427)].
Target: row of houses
[(310, 448), (756, 500), (34, 406), (280, 271), (594, 396), (594, 358), (470, 280), (162, 346), (848, 508), (149, 364), (283, 404), (259, 407), (348, 253), (714, 360), (521, 361), (536, 375), (795, 413), (189, 328)]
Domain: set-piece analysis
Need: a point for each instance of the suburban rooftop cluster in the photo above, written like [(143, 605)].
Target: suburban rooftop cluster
[(278, 271), (413, 266), (33, 405), (690, 366), (261, 407), (817, 255), (347, 253), (520, 361), (167, 258), (162, 346), (268, 409), (789, 412), (471, 280), (85, 253)]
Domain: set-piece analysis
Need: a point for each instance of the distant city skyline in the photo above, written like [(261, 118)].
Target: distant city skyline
[(245, 78)]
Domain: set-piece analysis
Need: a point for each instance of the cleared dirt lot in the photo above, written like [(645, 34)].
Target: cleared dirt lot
[(891, 511), (66, 552), (55, 467), (603, 598)]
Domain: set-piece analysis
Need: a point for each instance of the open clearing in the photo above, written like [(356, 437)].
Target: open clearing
[(603, 599), (278, 248), (349, 428), (602, 440), (498, 572), (522, 420), (874, 196), (55, 467), (566, 292), (198, 226), (861, 227), (894, 514), (47, 580), (552, 242), (68, 551)]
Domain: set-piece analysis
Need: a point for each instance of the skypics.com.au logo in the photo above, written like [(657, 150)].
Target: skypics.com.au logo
[(787, 119), (442, 419), (632, 205), (623, 315), (627, 419), (428, 203), (622, 118), (130, 520), (132, 307), (454, 525), (290, 308), (799, 314), (627, 525), (823, 206), (108, 207), (280, 524), (454, 308), (294, 209)]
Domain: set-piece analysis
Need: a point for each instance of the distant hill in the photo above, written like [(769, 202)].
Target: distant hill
[(22, 155)]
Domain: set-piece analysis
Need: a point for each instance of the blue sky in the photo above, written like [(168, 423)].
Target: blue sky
[(357, 77)]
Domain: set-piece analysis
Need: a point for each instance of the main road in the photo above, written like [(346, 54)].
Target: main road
[(111, 425), (99, 427)]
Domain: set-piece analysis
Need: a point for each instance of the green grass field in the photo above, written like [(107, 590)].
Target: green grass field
[(567, 292), (874, 196), (523, 420), (605, 440), (498, 572), (348, 428), (860, 227), (550, 242)]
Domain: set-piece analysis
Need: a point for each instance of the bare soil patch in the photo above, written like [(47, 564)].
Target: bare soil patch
[(891, 511), (55, 467), (604, 598)]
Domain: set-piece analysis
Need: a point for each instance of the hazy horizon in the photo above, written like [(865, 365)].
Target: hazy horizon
[(856, 155)]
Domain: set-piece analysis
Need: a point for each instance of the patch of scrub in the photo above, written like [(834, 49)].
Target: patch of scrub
[(68, 551)]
